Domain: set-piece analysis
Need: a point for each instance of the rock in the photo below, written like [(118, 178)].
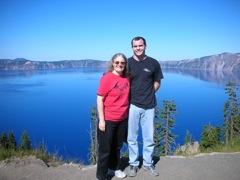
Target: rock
[(25, 161), (189, 148)]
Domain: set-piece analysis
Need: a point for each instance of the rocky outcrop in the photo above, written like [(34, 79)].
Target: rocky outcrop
[(188, 149), (24, 161)]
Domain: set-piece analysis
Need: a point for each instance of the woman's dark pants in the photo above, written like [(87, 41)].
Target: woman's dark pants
[(110, 143)]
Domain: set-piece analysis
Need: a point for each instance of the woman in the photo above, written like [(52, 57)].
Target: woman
[(112, 106)]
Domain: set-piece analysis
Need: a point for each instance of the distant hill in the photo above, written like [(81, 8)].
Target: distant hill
[(24, 64), (224, 62)]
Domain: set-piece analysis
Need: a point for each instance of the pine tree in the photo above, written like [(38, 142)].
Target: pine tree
[(93, 136), (167, 115), (158, 127), (226, 123), (25, 143), (4, 141), (12, 144), (231, 124), (210, 137), (187, 138)]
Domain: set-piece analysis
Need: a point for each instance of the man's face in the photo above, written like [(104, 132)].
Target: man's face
[(138, 47)]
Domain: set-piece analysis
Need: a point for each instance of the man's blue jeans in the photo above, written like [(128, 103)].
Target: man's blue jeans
[(145, 119)]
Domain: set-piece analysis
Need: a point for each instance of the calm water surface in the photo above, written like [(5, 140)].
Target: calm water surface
[(54, 106)]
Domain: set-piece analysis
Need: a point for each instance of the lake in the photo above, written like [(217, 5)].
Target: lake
[(54, 105)]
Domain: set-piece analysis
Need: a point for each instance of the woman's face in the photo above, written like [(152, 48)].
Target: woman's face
[(119, 65)]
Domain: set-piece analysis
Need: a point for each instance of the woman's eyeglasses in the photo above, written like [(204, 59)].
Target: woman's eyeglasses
[(117, 62)]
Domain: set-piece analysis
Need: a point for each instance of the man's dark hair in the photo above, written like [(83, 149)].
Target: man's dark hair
[(137, 39)]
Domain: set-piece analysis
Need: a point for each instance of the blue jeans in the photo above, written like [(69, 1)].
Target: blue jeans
[(144, 118)]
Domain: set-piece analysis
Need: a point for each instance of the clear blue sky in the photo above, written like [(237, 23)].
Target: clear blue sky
[(50, 30)]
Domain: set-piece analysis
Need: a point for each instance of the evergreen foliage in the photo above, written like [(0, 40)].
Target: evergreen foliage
[(25, 143), (187, 138), (4, 140), (12, 144), (8, 142), (231, 113), (159, 148), (164, 136), (210, 137), (9, 148), (93, 137)]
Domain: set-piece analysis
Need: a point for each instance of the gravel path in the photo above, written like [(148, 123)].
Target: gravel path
[(214, 166)]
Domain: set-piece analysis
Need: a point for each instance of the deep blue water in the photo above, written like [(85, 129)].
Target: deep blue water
[(54, 105)]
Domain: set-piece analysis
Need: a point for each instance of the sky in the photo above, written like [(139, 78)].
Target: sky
[(53, 30)]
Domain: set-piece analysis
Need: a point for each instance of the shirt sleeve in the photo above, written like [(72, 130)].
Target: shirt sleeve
[(103, 86), (158, 73)]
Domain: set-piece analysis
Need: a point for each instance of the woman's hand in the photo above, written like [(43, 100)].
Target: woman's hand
[(100, 108), (102, 125)]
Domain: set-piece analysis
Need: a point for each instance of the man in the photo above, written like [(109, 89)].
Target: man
[(145, 78)]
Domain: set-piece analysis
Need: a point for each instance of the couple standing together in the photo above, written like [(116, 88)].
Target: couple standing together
[(126, 100)]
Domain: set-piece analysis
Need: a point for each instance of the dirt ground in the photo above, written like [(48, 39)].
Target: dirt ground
[(214, 166)]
